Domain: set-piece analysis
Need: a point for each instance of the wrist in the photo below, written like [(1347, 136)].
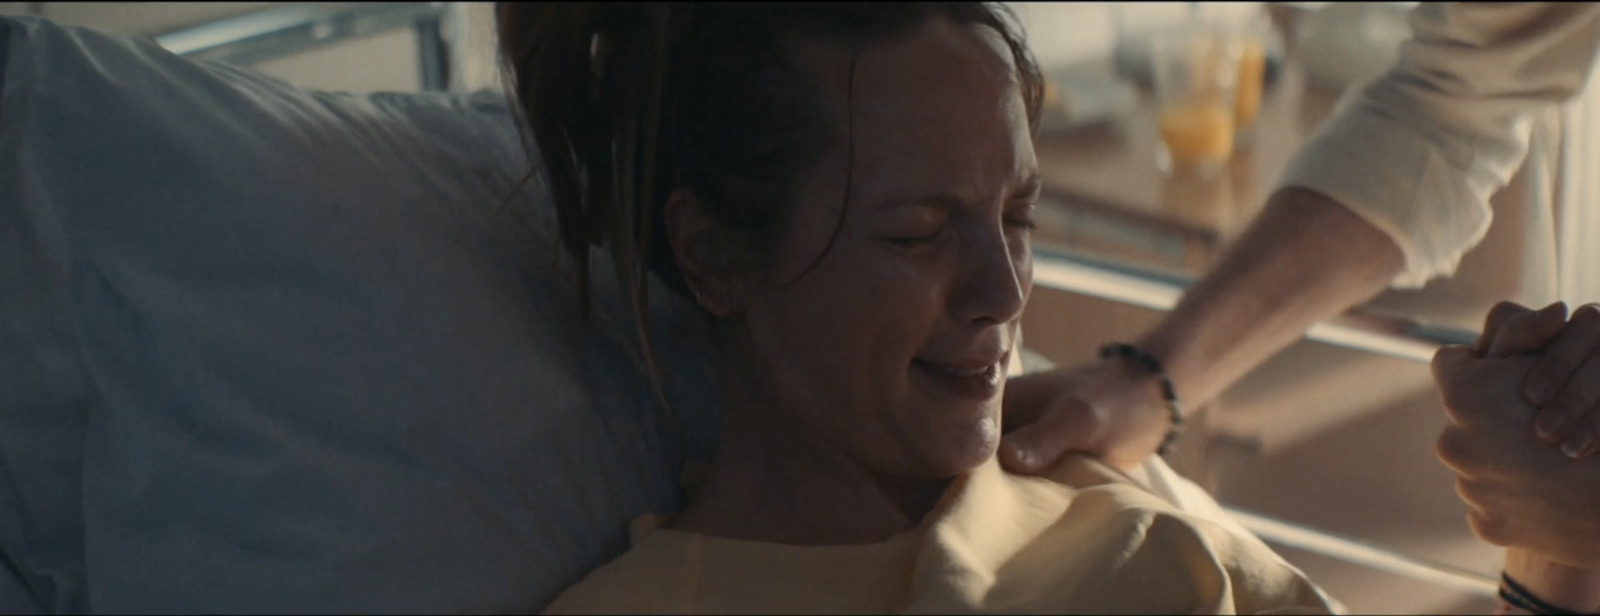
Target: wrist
[(1559, 585), (1142, 389), (1164, 345), (1136, 358)]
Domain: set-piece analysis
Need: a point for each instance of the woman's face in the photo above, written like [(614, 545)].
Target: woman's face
[(894, 348)]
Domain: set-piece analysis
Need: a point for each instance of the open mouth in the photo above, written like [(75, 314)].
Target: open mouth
[(979, 383)]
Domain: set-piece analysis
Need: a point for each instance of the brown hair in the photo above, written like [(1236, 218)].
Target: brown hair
[(625, 102)]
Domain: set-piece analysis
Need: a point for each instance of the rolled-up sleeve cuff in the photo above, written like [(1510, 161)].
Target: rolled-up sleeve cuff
[(1394, 178)]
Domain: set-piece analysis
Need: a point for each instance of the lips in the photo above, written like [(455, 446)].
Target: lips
[(971, 379)]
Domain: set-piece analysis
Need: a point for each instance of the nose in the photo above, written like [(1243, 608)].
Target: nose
[(995, 277)]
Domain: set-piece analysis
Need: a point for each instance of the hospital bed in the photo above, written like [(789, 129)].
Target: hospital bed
[(277, 32)]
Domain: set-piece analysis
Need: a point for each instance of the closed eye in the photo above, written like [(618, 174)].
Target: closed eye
[(915, 240), (1020, 216)]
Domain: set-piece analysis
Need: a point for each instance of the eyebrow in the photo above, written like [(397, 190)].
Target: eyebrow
[(1029, 186)]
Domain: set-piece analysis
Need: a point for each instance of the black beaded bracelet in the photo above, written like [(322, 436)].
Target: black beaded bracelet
[(1168, 394), (1513, 593)]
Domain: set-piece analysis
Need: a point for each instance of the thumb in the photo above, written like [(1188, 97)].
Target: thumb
[(1070, 425)]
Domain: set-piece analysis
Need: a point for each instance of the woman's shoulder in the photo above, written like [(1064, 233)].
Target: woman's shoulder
[(1115, 499), (651, 577), (1121, 531)]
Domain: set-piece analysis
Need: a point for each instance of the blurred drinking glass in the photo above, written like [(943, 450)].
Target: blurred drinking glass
[(1253, 34), (1196, 77), (1135, 25)]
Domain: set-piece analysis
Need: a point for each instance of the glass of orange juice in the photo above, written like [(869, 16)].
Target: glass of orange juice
[(1252, 35), (1196, 75)]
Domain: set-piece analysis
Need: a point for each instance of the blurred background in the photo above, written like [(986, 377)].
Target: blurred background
[(1153, 160), (348, 46)]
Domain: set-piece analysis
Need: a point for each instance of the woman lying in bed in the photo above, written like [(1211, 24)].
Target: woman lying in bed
[(847, 191)]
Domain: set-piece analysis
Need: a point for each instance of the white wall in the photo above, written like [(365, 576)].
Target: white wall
[(1063, 32), (384, 62), (1068, 32), (477, 66)]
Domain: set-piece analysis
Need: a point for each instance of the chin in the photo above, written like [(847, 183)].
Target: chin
[(960, 452)]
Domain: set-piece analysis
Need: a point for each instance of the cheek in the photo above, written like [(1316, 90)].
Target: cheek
[(884, 305), (1024, 267), (860, 312), (908, 282)]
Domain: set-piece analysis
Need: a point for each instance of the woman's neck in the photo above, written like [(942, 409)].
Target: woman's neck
[(772, 482)]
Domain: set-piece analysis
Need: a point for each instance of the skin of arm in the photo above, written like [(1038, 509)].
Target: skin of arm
[(1572, 588), (1458, 101), (1305, 258)]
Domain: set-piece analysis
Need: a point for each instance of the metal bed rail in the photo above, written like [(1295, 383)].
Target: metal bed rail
[(1365, 554), (280, 31), (1067, 271)]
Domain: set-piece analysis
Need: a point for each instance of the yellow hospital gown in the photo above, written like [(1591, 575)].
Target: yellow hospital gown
[(1087, 540)]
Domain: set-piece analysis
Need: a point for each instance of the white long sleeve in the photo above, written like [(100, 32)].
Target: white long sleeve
[(1422, 149)]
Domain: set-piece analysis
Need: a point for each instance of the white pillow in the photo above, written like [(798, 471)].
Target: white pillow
[(266, 350)]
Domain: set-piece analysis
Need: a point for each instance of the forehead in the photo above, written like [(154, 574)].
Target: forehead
[(938, 109)]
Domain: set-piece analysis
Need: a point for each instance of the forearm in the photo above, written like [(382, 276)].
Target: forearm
[(1565, 587), (1304, 258), (1422, 150)]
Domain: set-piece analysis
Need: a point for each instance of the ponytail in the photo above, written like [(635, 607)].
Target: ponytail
[(590, 80)]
